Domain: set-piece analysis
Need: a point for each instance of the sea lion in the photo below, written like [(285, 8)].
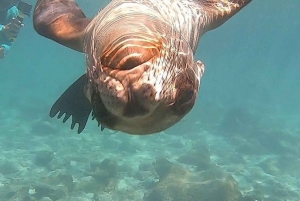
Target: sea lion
[(141, 74)]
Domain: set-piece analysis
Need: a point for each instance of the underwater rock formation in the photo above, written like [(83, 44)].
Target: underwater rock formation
[(199, 157), (8, 167), (43, 158), (101, 175), (177, 184)]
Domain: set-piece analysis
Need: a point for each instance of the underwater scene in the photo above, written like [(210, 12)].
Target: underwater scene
[(240, 141)]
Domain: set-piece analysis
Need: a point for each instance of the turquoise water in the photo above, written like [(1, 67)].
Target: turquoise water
[(240, 141)]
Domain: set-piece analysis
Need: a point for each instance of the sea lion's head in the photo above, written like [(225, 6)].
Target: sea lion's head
[(143, 74)]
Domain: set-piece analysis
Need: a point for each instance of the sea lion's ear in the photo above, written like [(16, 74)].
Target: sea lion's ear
[(62, 21), (216, 12)]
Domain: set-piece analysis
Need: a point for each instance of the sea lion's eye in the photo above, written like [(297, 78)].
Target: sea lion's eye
[(189, 95), (186, 96)]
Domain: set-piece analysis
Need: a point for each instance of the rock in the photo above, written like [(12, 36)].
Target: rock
[(8, 167), (43, 158), (238, 121), (165, 168), (43, 190), (145, 166), (87, 185), (15, 192), (143, 175), (199, 157), (105, 172), (269, 166), (148, 184), (60, 178), (177, 184)]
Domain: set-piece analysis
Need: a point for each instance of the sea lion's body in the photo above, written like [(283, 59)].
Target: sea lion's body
[(141, 75)]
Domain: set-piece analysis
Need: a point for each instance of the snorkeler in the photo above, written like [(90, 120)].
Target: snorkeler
[(11, 17)]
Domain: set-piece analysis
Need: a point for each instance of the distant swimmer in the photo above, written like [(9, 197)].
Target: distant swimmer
[(141, 76), (11, 17)]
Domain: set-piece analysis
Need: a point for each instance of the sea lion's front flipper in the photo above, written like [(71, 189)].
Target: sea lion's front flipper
[(73, 103), (216, 12), (62, 21)]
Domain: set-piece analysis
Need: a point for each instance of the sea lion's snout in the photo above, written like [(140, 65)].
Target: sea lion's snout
[(117, 72)]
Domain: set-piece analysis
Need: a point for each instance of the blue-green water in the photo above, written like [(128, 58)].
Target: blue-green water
[(242, 136)]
